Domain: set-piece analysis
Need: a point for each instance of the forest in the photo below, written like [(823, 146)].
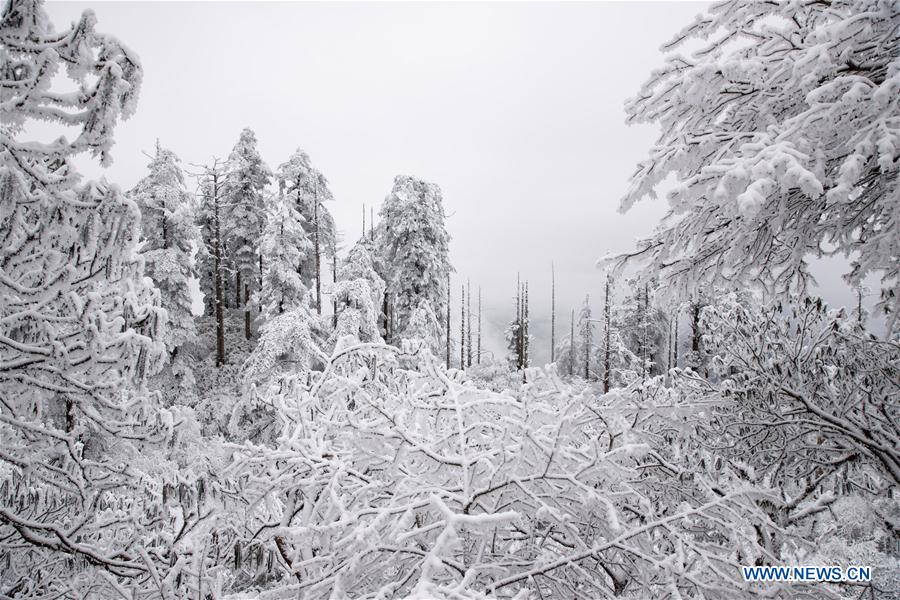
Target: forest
[(330, 425)]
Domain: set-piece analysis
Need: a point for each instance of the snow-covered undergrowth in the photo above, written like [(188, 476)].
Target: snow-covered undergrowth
[(391, 479)]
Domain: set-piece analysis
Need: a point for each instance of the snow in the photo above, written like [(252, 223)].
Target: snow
[(337, 455)]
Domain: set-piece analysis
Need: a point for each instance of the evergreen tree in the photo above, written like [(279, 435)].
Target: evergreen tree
[(169, 234), (414, 248), (212, 255), (643, 328), (308, 189), (245, 218), (285, 245)]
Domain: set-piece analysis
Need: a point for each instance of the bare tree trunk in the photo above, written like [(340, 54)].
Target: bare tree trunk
[(237, 288), (586, 340), (317, 251), (387, 325), (217, 255), (364, 221), (525, 330), (334, 269), (552, 313), (644, 339), (462, 329), (224, 256), (469, 351), (447, 328), (518, 323), (572, 346), (479, 326), (607, 324), (675, 344), (259, 308), (247, 311)]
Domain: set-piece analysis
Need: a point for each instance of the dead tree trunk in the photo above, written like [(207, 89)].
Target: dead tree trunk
[(606, 324), (478, 355), (316, 250), (469, 319), (552, 313)]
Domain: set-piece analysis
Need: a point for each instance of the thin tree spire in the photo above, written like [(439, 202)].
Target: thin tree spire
[(462, 329), (552, 312), (478, 355), (469, 328), (447, 329)]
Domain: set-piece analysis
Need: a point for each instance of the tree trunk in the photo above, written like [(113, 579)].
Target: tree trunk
[(334, 306), (462, 329), (384, 311), (469, 328), (675, 344), (237, 289), (572, 346), (552, 313), (219, 296), (447, 328), (525, 327), (317, 252), (247, 311), (478, 355), (606, 324)]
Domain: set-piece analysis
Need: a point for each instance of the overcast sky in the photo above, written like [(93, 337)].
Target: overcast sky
[(514, 109)]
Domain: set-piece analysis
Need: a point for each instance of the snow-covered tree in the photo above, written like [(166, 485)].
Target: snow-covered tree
[(586, 333), (781, 129), (308, 189), (285, 245), (212, 256), (414, 247), (80, 326), (643, 327), (391, 482), (358, 294), (288, 342), (244, 220), (359, 264), (424, 325), (357, 312), (812, 390), (169, 236)]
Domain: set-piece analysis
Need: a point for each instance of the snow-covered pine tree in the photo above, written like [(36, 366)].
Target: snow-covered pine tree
[(308, 189), (643, 327), (414, 247), (358, 294), (245, 218), (424, 325), (212, 255), (79, 326), (284, 244), (359, 264), (781, 131), (169, 235)]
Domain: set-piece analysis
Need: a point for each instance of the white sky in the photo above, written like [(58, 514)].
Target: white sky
[(514, 109)]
